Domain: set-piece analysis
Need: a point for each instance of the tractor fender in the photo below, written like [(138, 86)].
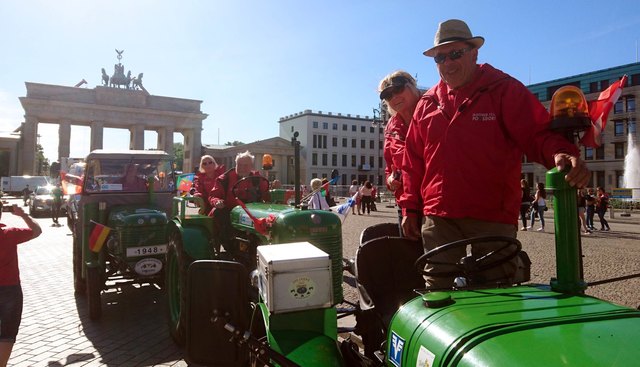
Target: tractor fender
[(195, 240)]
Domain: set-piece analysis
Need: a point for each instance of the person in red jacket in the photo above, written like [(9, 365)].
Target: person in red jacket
[(462, 162), (10, 289), (399, 91), (205, 180), (223, 198)]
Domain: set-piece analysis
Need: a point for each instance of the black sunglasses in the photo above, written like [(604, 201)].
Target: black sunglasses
[(388, 93), (207, 163), (453, 55)]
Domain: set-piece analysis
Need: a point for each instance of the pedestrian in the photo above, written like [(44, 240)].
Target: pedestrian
[(601, 208), (474, 127), (540, 205), (582, 208), (399, 92), (525, 203), (355, 190), (56, 203), (26, 192), (317, 200), (365, 193), (591, 201), (327, 192), (10, 288)]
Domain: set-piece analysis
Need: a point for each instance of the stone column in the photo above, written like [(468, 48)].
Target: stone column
[(97, 132), (64, 140), (137, 137), (29, 140), (192, 146), (165, 139)]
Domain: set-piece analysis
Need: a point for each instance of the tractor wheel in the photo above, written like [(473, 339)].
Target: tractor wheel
[(79, 284), (175, 283), (94, 287)]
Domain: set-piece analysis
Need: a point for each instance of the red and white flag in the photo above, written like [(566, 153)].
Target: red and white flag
[(599, 113)]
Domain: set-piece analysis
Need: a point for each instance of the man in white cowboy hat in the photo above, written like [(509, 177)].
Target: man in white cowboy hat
[(463, 154)]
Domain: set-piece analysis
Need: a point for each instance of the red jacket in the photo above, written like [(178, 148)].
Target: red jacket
[(203, 184), (395, 134), (464, 148), (9, 239), (223, 189)]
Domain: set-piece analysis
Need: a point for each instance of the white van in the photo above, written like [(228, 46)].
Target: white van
[(13, 185)]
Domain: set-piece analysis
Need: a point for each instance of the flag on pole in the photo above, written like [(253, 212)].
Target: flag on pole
[(262, 225), (599, 113), (98, 236), (325, 186), (184, 183), (342, 210)]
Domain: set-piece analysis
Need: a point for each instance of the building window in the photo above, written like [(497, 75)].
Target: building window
[(344, 142), (631, 126), (314, 175), (334, 160), (372, 129), (363, 144), (314, 159), (588, 154), (619, 178), (353, 161), (324, 142), (619, 150), (593, 87), (353, 143), (324, 159), (353, 128), (618, 108), (363, 129), (362, 160), (325, 125), (315, 124), (380, 165), (292, 128), (372, 161), (635, 79), (372, 144), (604, 84), (631, 104), (344, 160), (600, 152), (618, 128), (334, 126), (344, 127), (334, 141), (599, 178), (315, 140)]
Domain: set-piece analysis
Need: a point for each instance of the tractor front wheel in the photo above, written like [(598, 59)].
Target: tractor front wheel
[(175, 283), (79, 284)]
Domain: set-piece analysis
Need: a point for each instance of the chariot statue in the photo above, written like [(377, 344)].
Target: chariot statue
[(119, 79)]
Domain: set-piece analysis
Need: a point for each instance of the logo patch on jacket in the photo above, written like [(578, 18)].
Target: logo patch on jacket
[(483, 116)]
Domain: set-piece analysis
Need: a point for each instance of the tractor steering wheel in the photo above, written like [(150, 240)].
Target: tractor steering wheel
[(469, 266), (251, 193)]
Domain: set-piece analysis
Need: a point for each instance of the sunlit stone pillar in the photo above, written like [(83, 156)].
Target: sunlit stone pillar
[(165, 139), (64, 140), (137, 137), (29, 140), (97, 133)]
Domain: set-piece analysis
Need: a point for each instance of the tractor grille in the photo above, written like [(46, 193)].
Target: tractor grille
[(141, 236), (332, 245)]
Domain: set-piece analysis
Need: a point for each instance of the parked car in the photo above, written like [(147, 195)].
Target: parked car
[(41, 200)]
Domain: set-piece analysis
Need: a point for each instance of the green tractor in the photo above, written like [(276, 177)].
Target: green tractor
[(279, 309), (122, 215)]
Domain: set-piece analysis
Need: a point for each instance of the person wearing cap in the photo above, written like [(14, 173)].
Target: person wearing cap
[(399, 92), (11, 298), (468, 134)]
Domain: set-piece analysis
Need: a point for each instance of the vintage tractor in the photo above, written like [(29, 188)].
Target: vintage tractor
[(122, 215)]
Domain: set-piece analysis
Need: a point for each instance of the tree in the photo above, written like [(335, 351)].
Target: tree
[(42, 163), (178, 155), (234, 143)]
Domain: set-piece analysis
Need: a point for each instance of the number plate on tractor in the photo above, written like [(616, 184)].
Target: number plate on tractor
[(146, 250)]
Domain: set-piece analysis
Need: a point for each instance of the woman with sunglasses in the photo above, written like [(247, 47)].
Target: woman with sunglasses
[(205, 180), (399, 92)]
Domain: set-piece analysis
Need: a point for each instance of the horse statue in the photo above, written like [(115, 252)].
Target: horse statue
[(105, 78), (119, 79), (136, 83)]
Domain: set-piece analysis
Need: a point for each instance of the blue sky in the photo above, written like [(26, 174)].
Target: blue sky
[(252, 62)]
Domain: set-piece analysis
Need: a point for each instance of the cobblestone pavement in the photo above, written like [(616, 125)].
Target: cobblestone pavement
[(56, 330)]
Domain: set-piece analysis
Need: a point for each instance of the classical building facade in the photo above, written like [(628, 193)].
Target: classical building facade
[(105, 107), (606, 162), (351, 144)]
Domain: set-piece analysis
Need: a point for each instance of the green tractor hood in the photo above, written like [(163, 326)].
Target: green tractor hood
[(519, 326), (131, 216)]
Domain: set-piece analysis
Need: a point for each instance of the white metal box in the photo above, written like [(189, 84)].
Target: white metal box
[(294, 276)]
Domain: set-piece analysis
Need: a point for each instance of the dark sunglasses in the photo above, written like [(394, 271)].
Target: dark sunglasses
[(207, 163), (453, 55), (388, 93)]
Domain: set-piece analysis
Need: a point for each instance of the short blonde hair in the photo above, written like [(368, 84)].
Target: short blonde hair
[(316, 184), (202, 159), (386, 81)]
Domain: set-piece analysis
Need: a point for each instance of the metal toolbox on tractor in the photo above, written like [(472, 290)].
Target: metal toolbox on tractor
[(294, 277)]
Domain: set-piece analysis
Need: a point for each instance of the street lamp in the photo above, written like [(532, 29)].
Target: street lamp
[(379, 122)]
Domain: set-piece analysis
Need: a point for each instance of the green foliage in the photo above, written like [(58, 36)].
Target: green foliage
[(178, 155), (42, 163)]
